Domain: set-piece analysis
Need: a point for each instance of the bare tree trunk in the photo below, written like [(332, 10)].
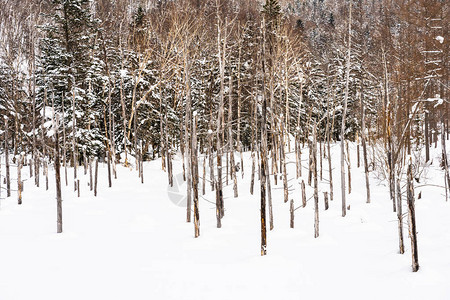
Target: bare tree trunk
[(8, 178), (141, 161), (113, 148), (19, 180), (46, 174), (96, 177), (316, 185), (221, 46), (325, 199), (30, 165), (230, 136), (263, 149), (303, 193), (64, 143), (109, 167), (310, 162), (59, 228), (182, 149), (168, 152), (90, 175), (194, 163), (400, 217), (291, 210), (74, 142), (298, 165), (357, 151), (239, 110), (344, 113), (204, 175), (349, 170), (330, 168), (283, 164), (211, 157), (252, 182), (218, 209), (85, 164), (188, 137), (254, 143), (445, 162), (412, 220), (321, 156), (269, 200), (364, 146), (427, 138), (391, 166), (122, 102)]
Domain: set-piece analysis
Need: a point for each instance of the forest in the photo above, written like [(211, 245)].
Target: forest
[(285, 100)]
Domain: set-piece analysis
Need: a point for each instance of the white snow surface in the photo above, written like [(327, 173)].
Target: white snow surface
[(133, 241)]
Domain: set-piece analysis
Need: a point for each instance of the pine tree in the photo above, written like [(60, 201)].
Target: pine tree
[(68, 70)]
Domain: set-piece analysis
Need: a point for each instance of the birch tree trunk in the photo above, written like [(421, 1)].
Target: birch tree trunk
[(19, 179), (445, 162), (96, 177), (220, 120), (316, 187), (59, 227), (291, 210), (400, 217), (8, 177), (412, 220), (303, 193), (364, 146), (230, 136), (283, 164), (344, 113), (74, 141), (263, 150), (194, 163), (188, 137)]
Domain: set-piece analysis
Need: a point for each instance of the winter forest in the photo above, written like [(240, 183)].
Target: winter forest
[(224, 149)]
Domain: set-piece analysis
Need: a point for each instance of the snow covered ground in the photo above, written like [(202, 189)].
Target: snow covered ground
[(132, 242)]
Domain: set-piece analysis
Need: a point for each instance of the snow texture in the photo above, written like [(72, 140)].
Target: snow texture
[(132, 242)]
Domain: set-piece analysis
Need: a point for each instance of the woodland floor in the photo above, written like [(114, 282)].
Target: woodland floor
[(133, 242)]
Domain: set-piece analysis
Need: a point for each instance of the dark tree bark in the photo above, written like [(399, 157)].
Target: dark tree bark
[(19, 180), (263, 151), (96, 177), (194, 164), (59, 228), (291, 210), (427, 137), (400, 218), (303, 193), (364, 146), (316, 187), (445, 163), (252, 182), (283, 165), (8, 178), (412, 220), (90, 175)]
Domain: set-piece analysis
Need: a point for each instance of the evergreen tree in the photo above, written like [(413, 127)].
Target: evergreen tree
[(67, 70)]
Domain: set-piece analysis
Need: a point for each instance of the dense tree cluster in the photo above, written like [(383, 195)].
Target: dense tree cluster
[(118, 70), (148, 79)]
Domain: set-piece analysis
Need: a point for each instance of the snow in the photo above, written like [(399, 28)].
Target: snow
[(132, 242)]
